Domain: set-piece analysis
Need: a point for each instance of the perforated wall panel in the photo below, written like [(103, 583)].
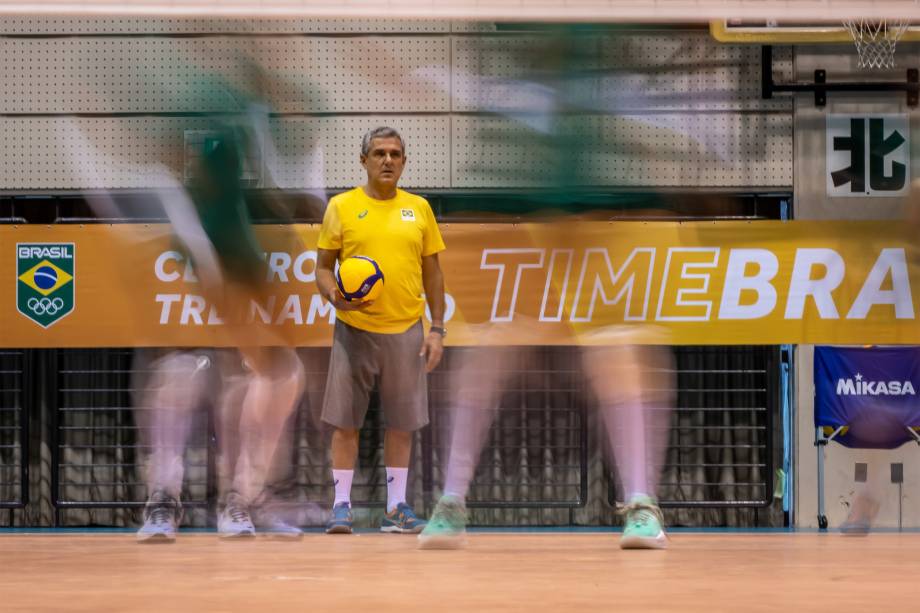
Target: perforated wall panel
[(655, 149), (157, 75), (75, 153), (467, 27), (480, 110), (150, 25), (610, 72)]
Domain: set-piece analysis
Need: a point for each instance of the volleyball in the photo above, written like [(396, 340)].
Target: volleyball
[(359, 279)]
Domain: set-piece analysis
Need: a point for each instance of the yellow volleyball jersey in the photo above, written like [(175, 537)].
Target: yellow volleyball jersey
[(396, 233)]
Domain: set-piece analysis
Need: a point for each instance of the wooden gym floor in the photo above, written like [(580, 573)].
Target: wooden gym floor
[(530, 571)]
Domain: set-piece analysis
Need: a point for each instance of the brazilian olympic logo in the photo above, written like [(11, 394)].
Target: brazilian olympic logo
[(45, 278)]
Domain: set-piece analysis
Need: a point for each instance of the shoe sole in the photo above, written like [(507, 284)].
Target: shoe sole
[(237, 536), (442, 541), (644, 542), (281, 536), (398, 530), (339, 530), (156, 539)]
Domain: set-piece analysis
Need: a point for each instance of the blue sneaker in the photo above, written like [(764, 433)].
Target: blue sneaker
[(340, 521), (402, 520)]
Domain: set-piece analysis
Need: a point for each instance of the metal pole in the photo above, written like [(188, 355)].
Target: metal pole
[(900, 502), (819, 444)]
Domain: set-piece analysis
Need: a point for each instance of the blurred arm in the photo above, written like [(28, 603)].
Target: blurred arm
[(186, 226)]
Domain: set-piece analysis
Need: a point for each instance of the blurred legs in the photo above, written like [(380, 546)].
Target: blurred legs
[(474, 394), (258, 402), (174, 390), (633, 384)]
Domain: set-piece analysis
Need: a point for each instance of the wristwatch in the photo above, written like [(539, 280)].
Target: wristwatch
[(439, 330)]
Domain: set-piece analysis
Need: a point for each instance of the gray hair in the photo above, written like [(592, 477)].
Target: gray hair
[(380, 132)]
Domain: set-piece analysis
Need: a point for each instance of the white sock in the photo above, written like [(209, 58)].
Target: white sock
[(455, 494), (396, 486), (342, 480), (458, 480)]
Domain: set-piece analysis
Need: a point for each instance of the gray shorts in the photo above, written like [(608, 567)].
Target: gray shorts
[(359, 359)]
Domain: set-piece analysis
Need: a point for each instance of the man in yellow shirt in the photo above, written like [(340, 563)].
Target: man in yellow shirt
[(381, 341)]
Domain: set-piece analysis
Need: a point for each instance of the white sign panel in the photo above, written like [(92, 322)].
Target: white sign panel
[(868, 155)]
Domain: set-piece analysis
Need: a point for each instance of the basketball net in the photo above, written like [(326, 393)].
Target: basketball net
[(876, 40)]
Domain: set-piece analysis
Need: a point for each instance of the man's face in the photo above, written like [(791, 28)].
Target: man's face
[(385, 161)]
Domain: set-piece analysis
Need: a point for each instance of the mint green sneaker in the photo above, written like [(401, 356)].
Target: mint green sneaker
[(863, 510), (447, 527), (643, 526)]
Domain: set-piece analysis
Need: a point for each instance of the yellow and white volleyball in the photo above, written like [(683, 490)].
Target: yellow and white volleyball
[(359, 279)]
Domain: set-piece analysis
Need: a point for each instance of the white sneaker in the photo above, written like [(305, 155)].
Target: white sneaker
[(273, 526), (235, 521), (162, 516)]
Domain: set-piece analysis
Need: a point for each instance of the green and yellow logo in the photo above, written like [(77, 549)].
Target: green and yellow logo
[(45, 281)]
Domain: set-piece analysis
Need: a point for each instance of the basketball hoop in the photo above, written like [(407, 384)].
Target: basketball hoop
[(876, 40)]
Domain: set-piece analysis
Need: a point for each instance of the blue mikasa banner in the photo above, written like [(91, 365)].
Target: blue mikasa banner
[(875, 392)]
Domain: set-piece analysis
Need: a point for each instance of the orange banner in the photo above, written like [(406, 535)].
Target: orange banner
[(561, 283)]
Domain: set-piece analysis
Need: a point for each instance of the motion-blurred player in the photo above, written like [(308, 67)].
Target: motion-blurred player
[(211, 222), (631, 384)]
